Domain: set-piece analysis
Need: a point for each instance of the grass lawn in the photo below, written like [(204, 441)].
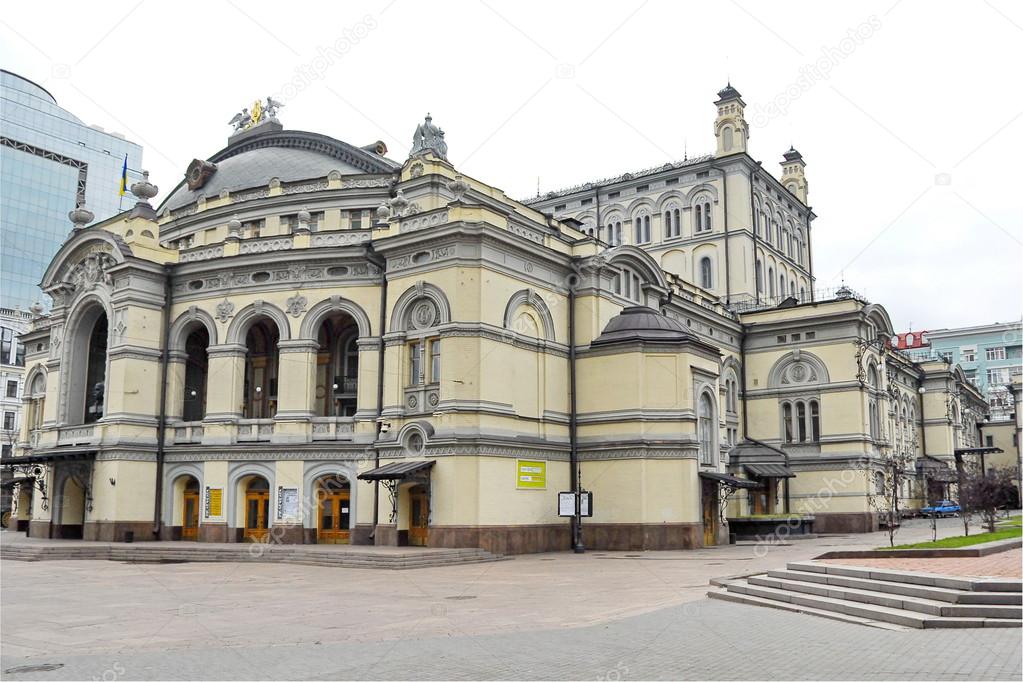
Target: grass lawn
[(1014, 531), (1014, 522)]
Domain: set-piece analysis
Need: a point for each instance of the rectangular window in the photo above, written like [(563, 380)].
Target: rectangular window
[(989, 441), (671, 181), (642, 188), (586, 202), (995, 353), (559, 208), (613, 195), (6, 340), (8, 421), (811, 335), (435, 361), (415, 374), (782, 338), (946, 355), (998, 375), (968, 356), (12, 389), (355, 218), (796, 337)]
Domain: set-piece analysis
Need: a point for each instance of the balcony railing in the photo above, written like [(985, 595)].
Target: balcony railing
[(255, 430), (76, 435), (333, 428), (187, 432)]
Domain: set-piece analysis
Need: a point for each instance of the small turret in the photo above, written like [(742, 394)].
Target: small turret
[(730, 126), (793, 175)]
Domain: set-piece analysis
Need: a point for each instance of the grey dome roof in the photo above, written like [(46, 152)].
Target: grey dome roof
[(639, 323), (288, 155)]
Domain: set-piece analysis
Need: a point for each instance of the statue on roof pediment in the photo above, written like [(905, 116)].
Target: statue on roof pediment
[(429, 138)]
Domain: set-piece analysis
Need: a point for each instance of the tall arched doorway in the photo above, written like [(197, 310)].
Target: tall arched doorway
[(86, 366), (261, 364), (193, 408), (71, 510), (337, 367), (257, 510), (333, 510), (190, 509)]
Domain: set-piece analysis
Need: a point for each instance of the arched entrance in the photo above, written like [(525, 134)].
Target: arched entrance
[(257, 510), (71, 512), (419, 515), (190, 509), (333, 510), (193, 407), (261, 365), (337, 366)]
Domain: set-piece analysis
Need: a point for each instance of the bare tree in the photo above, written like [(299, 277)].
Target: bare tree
[(891, 471), (985, 493)]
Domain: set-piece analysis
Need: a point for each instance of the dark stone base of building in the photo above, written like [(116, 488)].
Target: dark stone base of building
[(642, 536), (119, 531), (504, 539), (847, 522), (213, 532)]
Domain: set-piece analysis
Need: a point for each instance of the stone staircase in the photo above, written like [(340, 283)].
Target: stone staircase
[(882, 598), (310, 555)]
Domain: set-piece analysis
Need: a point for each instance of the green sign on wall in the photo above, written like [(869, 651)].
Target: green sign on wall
[(531, 474)]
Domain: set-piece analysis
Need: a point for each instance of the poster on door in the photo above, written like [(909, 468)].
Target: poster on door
[(287, 503), (213, 506)]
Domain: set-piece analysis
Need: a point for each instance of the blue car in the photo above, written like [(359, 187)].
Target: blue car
[(943, 508)]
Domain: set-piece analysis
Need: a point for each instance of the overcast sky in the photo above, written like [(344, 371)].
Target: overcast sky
[(908, 113)]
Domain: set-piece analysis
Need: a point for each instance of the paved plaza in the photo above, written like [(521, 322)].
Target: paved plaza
[(602, 615)]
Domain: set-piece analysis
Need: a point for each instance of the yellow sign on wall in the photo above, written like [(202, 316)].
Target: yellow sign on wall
[(214, 502), (531, 474)]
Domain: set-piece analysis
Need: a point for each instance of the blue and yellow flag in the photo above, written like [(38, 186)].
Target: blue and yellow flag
[(124, 176)]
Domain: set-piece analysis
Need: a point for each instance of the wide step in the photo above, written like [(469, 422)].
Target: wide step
[(896, 598)]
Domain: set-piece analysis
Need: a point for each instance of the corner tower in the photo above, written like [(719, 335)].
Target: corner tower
[(793, 175), (730, 126)]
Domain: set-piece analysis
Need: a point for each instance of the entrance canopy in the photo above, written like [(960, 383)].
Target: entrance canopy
[(396, 470), (769, 470), (728, 480), (49, 458)]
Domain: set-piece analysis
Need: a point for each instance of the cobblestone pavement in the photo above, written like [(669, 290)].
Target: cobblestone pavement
[(699, 640), (602, 615), (1003, 565)]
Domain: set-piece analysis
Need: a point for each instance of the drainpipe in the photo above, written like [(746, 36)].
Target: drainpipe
[(161, 425), (728, 278), (809, 255), (380, 262), (753, 224), (573, 454), (745, 420)]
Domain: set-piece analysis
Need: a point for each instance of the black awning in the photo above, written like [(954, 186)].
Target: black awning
[(769, 470), (396, 470), (728, 480), (49, 458), (978, 451)]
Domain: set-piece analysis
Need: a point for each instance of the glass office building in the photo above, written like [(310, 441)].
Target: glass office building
[(49, 160)]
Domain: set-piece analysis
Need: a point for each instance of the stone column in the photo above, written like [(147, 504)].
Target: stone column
[(176, 362), (225, 383), (296, 378)]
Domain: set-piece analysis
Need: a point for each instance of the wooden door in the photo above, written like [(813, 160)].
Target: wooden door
[(419, 516), (257, 515), (190, 516), (334, 515), (710, 513)]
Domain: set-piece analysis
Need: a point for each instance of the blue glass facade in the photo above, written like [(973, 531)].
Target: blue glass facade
[(49, 159)]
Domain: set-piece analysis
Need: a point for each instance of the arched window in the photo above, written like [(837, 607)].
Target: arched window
[(672, 222), (96, 371), (706, 225), (193, 407), (613, 233), (731, 395), (727, 136), (37, 394), (756, 218), (628, 284), (706, 273), (792, 287), (760, 276), (705, 426), (642, 229), (337, 367), (770, 282), (801, 421), (261, 365), (698, 218), (781, 284)]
